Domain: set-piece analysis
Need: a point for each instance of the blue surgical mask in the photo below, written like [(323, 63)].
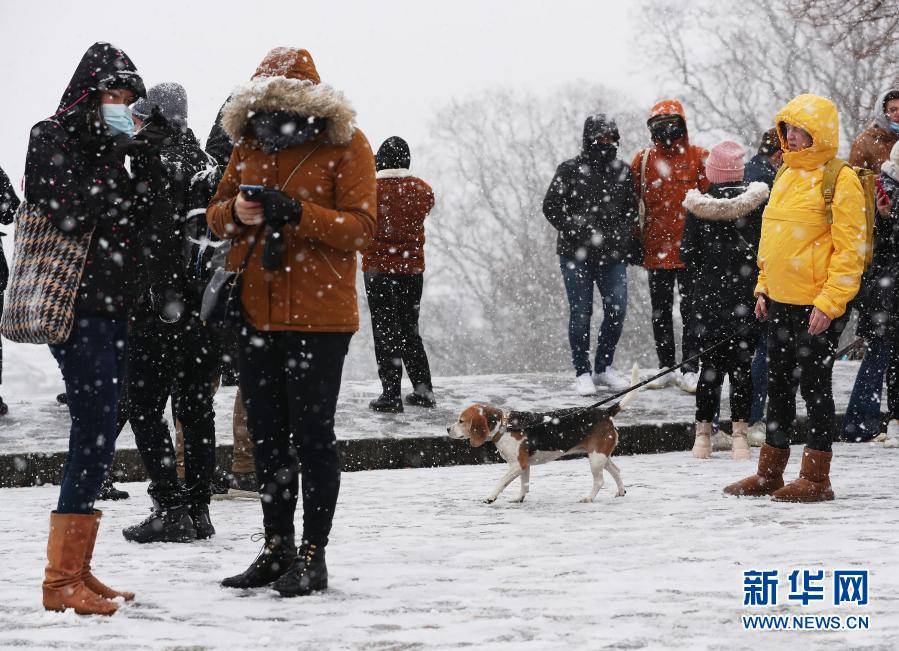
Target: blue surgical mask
[(118, 118), (894, 127)]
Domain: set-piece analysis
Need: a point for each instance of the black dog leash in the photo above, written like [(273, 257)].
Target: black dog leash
[(740, 332)]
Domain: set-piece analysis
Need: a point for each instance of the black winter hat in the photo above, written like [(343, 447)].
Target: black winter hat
[(599, 126), (393, 154), (169, 97)]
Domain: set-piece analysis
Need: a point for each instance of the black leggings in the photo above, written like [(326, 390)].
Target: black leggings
[(290, 382), (179, 360), (893, 378), (394, 301), (734, 359), (793, 352), (661, 295)]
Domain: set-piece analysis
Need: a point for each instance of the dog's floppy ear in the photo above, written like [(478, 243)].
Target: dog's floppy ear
[(478, 426)]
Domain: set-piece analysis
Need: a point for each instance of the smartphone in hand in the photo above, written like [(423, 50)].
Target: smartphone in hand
[(252, 192)]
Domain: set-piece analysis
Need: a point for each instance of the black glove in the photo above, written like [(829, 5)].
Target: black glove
[(168, 304), (280, 210), (154, 133)]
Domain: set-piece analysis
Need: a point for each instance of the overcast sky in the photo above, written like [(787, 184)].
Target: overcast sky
[(396, 60)]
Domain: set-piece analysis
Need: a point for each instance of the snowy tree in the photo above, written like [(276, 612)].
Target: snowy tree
[(736, 63)]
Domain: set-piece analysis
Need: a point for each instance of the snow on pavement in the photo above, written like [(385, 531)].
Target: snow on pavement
[(37, 424), (417, 561)]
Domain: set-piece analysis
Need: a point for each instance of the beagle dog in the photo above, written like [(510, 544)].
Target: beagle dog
[(526, 439)]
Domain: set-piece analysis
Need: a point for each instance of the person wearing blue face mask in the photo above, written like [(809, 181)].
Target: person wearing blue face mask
[(75, 175)]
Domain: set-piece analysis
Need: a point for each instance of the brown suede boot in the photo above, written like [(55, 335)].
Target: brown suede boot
[(63, 585), (93, 583), (813, 484), (769, 476)]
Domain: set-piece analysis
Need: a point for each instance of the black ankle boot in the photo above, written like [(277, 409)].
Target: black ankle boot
[(199, 514), (386, 404), (109, 492), (276, 557), (164, 525), (423, 399), (308, 573)]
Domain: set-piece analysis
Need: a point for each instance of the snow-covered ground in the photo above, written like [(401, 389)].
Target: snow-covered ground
[(418, 562), (37, 424)]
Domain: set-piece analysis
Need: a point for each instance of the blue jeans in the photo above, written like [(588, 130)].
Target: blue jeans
[(862, 420), (92, 362), (611, 279), (759, 378)]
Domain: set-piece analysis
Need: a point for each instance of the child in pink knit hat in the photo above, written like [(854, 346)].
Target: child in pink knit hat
[(719, 249), (725, 162)]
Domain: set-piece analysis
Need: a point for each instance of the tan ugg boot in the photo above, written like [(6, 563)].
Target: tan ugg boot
[(769, 476), (739, 449), (702, 445), (813, 484), (93, 583), (63, 586)]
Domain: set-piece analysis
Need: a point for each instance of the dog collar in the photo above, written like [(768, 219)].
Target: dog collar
[(500, 428)]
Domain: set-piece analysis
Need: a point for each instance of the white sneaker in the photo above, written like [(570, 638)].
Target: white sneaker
[(757, 433), (584, 385), (662, 382), (687, 382), (609, 378), (702, 445), (892, 440)]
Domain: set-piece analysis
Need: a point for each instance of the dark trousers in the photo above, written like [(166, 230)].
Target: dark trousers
[(579, 277), (734, 359), (92, 362), (862, 419), (180, 360), (661, 295), (394, 301), (290, 382), (759, 377), (793, 352), (893, 380)]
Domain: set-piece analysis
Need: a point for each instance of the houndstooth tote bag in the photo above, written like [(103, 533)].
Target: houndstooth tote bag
[(46, 271)]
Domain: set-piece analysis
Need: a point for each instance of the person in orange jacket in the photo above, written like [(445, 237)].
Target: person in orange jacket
[(663, 175)]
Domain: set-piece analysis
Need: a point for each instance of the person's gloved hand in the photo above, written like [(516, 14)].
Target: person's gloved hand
[(279, 210), (168, 304)]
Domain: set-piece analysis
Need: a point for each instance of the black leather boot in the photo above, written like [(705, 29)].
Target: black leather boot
[(172, 524), (386, 404), (308, 573), (277, 555), (109, 492)]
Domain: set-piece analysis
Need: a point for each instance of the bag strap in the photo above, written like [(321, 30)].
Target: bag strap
[(832, 169), (246, 258), (643, 162)]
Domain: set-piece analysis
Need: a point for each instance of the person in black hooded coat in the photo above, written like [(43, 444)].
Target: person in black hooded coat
[(9, 203), (591, 203), (171, 353), (719, 248), (76, 175)]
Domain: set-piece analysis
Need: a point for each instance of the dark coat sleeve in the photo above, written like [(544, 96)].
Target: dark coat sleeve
[(555, 203), (689, 244), (9, 201)]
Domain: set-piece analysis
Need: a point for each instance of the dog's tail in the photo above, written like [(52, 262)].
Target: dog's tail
[(626, 400)]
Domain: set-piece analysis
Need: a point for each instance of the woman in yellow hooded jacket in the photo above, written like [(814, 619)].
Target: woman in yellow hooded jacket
[(810, 265)]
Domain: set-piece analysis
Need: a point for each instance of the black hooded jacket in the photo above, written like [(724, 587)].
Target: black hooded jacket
[(75, 173), (878, 299), (719, 248), (9, 203), (166, 259), (591, 203)]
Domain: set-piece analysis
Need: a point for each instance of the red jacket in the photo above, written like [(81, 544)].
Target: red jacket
[(404, 202), (670, 173)]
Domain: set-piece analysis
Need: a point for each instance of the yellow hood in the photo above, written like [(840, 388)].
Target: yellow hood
[(819, 117)]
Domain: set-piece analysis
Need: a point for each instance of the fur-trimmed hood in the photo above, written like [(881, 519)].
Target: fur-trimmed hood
[(711, 209), (287, 80), (399, 173)]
